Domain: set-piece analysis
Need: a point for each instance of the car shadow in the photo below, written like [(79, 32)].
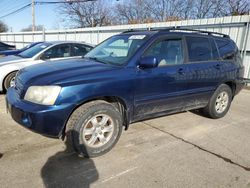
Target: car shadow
[(198, 112), (67, 169)]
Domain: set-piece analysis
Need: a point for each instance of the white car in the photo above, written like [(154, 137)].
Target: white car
[(46, 51)]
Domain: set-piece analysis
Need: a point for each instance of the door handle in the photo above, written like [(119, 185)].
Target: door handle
[(181, 71)]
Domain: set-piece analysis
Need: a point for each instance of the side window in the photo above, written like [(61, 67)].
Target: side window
[(80, 49), (199, 49), (226, 49), (167, 52), (59, 51)]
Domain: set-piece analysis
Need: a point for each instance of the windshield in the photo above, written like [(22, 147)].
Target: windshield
[(29, 46), (118, 49), (31, 52)]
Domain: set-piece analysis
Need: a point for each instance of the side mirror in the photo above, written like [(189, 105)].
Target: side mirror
[(148, 62)]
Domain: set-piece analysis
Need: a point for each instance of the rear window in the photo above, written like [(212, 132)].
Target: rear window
[(226, 49), (199, 49)]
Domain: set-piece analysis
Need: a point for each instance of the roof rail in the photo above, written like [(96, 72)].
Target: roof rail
[(194, 30), (135, 30), (177, 28)]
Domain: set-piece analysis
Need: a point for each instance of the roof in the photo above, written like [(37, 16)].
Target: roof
[(65, 42)]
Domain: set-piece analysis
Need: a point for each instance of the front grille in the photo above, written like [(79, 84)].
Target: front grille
[(19, 86)]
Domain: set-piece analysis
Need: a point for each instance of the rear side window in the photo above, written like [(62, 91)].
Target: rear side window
[(80, 49), (226, 49), (199, 49)]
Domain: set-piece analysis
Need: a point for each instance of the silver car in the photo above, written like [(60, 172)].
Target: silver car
[(46, 51)]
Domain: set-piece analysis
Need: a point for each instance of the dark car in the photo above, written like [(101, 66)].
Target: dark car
[(15, 52), (4, 46), (127, 78)]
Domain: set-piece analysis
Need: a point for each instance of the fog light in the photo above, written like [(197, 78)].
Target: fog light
[(26, 120)]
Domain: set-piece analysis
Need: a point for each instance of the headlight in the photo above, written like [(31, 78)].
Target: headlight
[(45, 95)]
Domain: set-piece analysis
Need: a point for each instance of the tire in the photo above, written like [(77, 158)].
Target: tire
[(85, 130), (8, 80), (219, 103)]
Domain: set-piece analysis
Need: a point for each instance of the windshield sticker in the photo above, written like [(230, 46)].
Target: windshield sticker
[(137, 37)]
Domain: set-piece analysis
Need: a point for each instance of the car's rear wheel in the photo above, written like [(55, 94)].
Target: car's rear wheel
[(94, 128), (9, 81), (219, 103)]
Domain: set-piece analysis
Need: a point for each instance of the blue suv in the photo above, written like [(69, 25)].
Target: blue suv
[(129, 77)]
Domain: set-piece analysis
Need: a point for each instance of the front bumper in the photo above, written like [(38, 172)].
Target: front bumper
[(46, 120)]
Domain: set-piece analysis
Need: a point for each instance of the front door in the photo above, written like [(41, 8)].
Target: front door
[(161, 89)]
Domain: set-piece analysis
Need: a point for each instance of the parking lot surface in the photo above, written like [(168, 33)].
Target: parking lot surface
[(180, 150)]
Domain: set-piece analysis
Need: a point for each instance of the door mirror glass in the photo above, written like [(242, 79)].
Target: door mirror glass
[(148, 62)]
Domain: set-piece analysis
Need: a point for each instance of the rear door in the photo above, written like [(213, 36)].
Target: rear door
[(204, 69), (161, 89)]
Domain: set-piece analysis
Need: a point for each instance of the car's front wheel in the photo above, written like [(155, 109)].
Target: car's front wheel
[(219, 103), (9, 81), (94, 128)]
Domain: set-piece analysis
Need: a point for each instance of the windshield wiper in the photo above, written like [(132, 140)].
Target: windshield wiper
[(19, 55), (96, 59)]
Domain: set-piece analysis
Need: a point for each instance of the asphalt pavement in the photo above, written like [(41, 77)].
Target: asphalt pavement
[(180, 150)]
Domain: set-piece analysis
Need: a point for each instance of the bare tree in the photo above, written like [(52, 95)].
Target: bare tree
[(87, 14), (186, 9), (164, 10), (134, 11), (29, 28), (3, 27), (103, 12), (238, 7), (207, 8)]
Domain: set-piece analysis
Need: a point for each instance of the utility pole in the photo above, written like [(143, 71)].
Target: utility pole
[(33, 15)]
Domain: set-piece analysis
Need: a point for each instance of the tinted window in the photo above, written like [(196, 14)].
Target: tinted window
[(80, 49), (199, 49), (167, 52), (62, 50), (214, 50), (226, 49)]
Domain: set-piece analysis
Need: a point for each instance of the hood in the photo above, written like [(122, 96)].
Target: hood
[(11, 59), (64, 72)]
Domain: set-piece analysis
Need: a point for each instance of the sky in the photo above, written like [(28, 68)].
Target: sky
[(46, 15)]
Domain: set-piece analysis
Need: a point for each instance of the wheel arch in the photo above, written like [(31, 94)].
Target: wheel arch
[(118, 102), (5, 76), (232, 85)]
